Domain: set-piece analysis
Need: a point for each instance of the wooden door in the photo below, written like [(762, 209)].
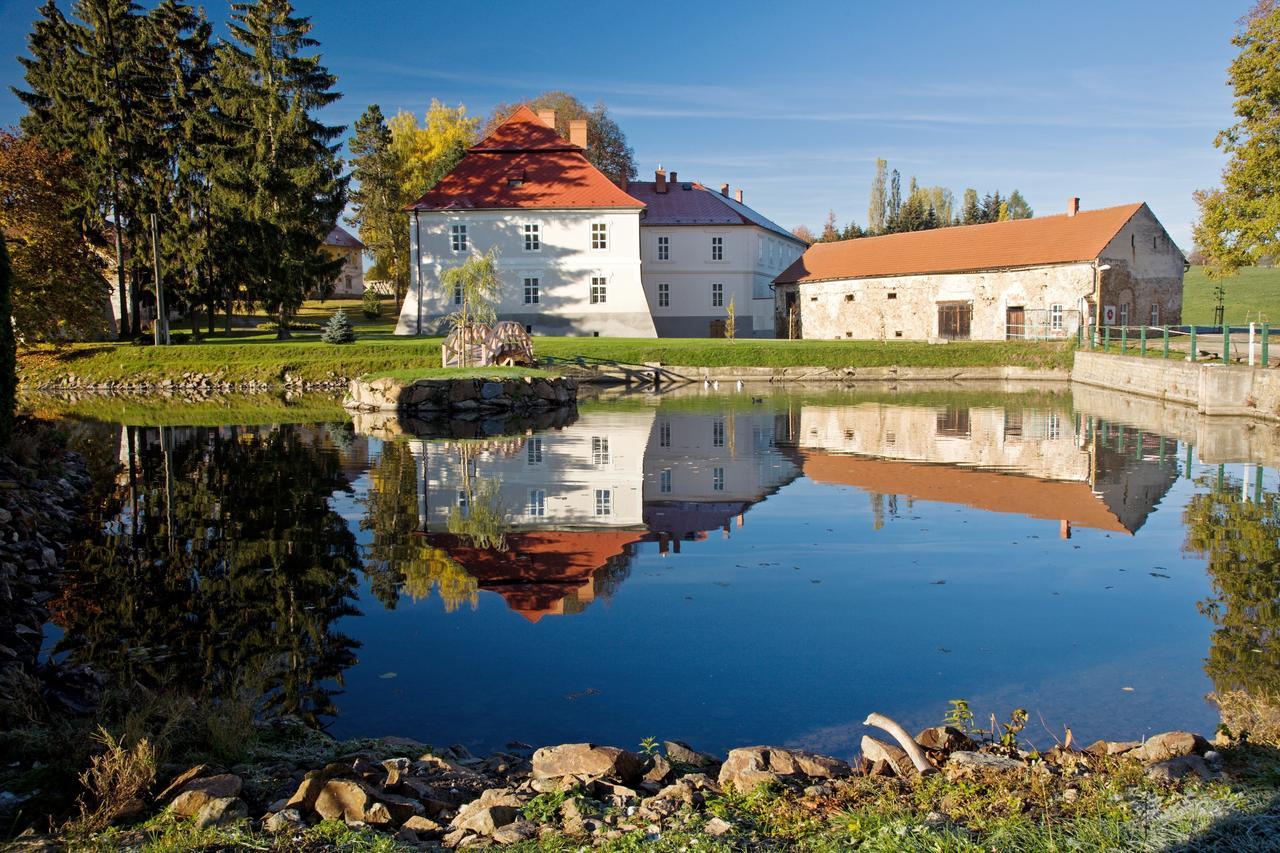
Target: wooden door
[(954, 319), (1015, 322)]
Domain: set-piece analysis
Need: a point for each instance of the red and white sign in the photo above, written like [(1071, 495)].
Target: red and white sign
[(1109, 314)]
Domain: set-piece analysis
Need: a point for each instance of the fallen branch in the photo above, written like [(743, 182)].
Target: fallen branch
[(912, 749)]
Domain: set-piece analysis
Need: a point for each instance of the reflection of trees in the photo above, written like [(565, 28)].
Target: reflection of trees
[(483, 520), (398, 557), (1241, 541), (224, 561)]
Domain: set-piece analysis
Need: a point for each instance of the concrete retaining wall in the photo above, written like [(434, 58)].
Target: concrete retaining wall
[(1213, 389)]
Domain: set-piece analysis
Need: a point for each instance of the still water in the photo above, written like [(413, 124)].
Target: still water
[(721, 569)]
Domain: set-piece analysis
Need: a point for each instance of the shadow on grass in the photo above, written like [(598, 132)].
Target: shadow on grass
[(1256, 828)]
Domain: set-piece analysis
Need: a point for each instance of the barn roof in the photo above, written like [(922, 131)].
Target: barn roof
[(525, 165), (966, 248), (692, 203)]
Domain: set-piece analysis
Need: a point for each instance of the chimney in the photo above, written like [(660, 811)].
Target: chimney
[(578, 132), (739, 195), (660, 181), (724, 190), (674, 181), (548, 117), (1073, 205)]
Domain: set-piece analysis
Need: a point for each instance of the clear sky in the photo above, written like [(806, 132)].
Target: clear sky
[(1111, 101)]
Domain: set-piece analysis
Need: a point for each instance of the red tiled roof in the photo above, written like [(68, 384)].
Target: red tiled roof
[(992, 491), (524, 165), (698, 205), (966, 248)]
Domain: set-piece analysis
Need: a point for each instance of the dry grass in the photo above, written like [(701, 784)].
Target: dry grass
[(1252, 718), (116, 783)]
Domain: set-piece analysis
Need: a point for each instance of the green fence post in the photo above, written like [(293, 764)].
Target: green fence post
[(1142, 347), (1226, 344), (1266, 329), (1162, 450), (1193, 355), (1124, 338), (1166, 341), (1257, 484), (1106, 340), (1222, 476), (1190, 448)]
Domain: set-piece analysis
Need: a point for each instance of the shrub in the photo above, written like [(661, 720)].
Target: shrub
[(115, 783), (338, 330), (272, 326), (370, 305)]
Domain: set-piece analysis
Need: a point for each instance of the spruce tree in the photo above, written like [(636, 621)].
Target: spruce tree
[(278, 179), (339, 329), (378, 201), (972, 213)]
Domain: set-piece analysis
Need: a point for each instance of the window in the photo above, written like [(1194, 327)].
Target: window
[(891, 295), (532, 237), (604, 501), (462, 501), (1055, 317), (534, 450), (598, 290), (599, 235), (537, 505), (717, 479), (1155, 313), (664, 481), (1055, 425), (664, 434), (717, 294), (457, 294), (664, 295), (532, 291), (717, 248), (664, 248), (1124, 314), (599, 451), (458, 238), (717, 432)]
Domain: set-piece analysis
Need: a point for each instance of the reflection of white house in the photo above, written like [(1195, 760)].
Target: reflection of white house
[(350, 280)]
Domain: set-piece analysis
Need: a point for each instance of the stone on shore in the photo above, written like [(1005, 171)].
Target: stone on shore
[(222, 811), (195, 794), (945, 739), (966, 764), (587, 760), (1168, 745), (680, 752), (748, 767), (351, 800), (1173, 769), (886, 757)]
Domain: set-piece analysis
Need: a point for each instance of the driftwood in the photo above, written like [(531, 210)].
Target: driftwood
[(912, 749)]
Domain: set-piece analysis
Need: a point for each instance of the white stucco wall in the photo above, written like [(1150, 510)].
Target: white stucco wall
[(350, 280), (564, 265)]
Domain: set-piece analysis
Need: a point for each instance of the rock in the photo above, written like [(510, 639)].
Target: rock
[(420, 824), (968, 765), (717, 826), (395, 768), (496, 807), (515, 832), (659, 770), (1104, 747), (587, 760), (405, 834), (891, 755), (350, 800), (490, 390), (221, 812), (1168, 745), (750, 766), (1172, 769), (409, 745), (681, 753), (180, 781), (400, 808), (196, 793), (285, 820), (573, 814), (945, 738)]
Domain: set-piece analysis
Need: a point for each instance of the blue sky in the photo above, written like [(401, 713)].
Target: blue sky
[(1114, 102)]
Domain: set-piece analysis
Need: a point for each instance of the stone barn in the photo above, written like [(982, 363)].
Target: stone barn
[(1042, 278)]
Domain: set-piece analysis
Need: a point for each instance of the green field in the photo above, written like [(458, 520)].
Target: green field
[(1251, 295)]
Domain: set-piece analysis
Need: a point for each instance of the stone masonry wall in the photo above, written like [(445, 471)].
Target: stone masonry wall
[(517, 395)]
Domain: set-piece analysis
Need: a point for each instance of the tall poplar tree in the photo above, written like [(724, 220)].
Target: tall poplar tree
[(377, 201), (879, 202), (279, 179)]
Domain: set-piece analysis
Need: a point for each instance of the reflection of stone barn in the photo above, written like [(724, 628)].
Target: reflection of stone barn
[(1030, 278)]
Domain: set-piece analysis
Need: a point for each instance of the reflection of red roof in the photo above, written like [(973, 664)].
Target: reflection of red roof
[(992, 491), (539, 569), (524, 164)]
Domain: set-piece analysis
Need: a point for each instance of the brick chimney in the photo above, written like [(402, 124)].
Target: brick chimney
[(739, 195), (578, 132), (660, 181), (674, 178), (548, 117), (724, 190), (1073, 205)]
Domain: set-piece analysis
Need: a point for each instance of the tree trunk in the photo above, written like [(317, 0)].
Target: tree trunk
[(282, 326), (122, 324)]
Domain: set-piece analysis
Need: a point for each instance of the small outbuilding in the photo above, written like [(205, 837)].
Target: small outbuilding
[(1042, 278)]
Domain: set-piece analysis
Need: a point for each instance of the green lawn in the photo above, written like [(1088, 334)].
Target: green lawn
[(1251, 295)]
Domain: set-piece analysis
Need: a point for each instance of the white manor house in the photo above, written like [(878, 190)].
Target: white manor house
[(580, 255)]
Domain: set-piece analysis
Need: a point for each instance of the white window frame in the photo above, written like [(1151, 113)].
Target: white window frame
[(459, 239), (1056, 315), (534, 451), (717, 249), (717, 432), (664, 481), (664, 294), (532, 237), (532, 289), (717, 294), (1155, 313), (664, 247), (599, 236), (600, 455), (717, 479), (536, 507), (599, 290), (664, 434), (604, 501), (457, 294), (1124, 313)]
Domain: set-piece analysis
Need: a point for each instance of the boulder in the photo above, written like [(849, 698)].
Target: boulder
[(659, 770), (886, 755), (495, 808), (1106, 747), (420, 824), (515, 832), (587, 760), (350, 800), (1168, 745), (717, 826), (966, 764), (221, 812), (680, 752), (285, 820), (195, 794), (747, 767), (1173, 769), (945, 739), (180, 781), (490, 390)]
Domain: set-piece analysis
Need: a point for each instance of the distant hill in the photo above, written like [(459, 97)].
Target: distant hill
[(1253, 294)]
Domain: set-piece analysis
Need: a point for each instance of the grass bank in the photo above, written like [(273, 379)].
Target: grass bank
[(309, 360), (151, 410), (1252, 294)]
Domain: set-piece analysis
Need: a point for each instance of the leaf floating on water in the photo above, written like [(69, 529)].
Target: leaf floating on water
[(944, 651), (937, 583), (1158, 575), (1127, 689), (814, 580), (387, 675)]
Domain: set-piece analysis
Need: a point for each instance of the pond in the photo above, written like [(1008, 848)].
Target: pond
[(724, 569)]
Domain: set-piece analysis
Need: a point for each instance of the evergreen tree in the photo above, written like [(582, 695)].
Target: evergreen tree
[(972, 211), (1018, 207), (852, 231), (378, 200), (991, 204), (878, 205), (830, 233), (894, 206), (8, 352), (278, 181), (338, 330)]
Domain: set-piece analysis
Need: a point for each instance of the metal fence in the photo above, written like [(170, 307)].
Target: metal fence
[(1243, 344)]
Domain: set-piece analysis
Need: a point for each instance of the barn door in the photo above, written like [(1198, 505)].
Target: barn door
[(1015, 322), (954, 319)]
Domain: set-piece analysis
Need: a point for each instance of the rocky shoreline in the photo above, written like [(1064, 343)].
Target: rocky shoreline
[(428, 396), (190, 384)]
